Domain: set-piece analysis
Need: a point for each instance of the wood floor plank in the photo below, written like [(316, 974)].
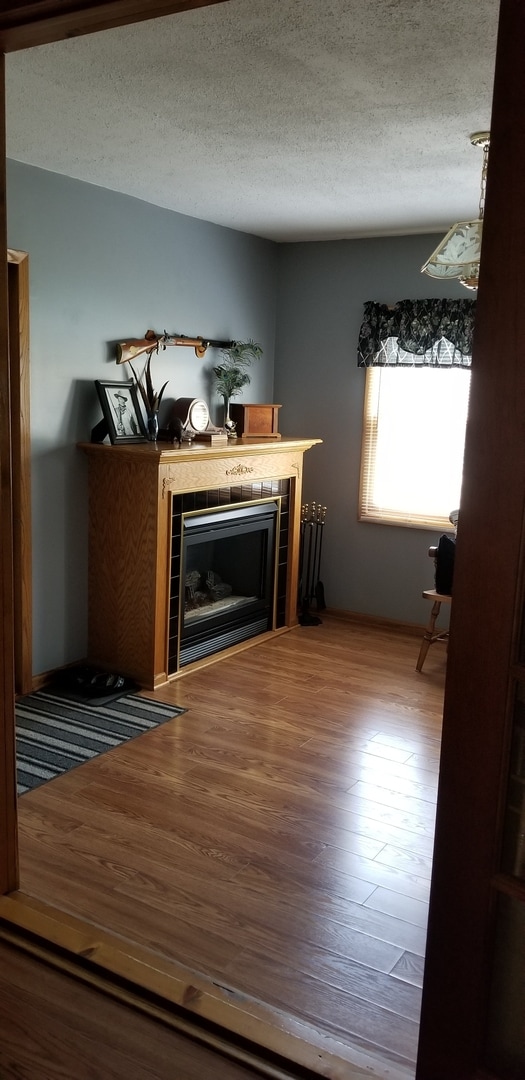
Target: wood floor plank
[(407, 859), (156, 925), (401, 907), (277, 836), (409, 968), (316, 917), (337, 1011), (337, 972), (370, 870), (152, 806), (345, 759), (389, 795), (403, 779), (253, 792)]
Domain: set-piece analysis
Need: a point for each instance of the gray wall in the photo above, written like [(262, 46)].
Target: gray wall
[(374, 569), (104, 267)]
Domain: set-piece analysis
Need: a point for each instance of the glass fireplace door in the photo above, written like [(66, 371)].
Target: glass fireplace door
[(227, 582)]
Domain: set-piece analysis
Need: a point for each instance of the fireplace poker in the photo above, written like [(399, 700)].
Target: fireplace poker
[(306, 619), (319, 587), (304, 515), (309, 561), (316, 509)]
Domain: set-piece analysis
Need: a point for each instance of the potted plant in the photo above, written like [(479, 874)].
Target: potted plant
[(231, 375), (150, 398)]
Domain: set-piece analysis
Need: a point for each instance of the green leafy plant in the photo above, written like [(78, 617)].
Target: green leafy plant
[(231, 375), (144, 385)]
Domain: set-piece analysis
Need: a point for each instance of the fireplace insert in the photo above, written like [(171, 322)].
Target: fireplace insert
[(228, 574)]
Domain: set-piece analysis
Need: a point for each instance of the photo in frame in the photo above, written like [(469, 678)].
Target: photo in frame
[(123, 420)]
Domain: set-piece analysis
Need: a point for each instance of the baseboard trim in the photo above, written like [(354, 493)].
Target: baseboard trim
[(40, 682), (378, 621)]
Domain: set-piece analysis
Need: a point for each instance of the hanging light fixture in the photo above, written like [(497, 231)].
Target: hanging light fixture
[(458, 254)]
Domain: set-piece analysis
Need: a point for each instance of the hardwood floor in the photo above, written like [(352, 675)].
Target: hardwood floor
[(277, 837)]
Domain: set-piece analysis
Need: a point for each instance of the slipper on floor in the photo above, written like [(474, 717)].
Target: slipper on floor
[(93, 683)]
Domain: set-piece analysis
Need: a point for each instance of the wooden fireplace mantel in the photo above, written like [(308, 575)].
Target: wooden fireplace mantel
[(130, 511)]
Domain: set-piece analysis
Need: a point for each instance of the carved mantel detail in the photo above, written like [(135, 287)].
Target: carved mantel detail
[(240, 470)]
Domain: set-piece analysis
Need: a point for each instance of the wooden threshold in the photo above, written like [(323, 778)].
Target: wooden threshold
[(247, 1030)]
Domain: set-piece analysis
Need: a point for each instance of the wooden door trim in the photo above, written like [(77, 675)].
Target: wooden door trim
[(459, 930), (486, 612), (39, 22), (19, 365), (8, 818)]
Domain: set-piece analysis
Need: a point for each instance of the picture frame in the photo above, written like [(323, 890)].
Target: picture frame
[(123, 420)]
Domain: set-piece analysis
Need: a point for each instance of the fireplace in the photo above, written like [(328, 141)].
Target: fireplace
[(229, 568), (145, 501), (227, 579)]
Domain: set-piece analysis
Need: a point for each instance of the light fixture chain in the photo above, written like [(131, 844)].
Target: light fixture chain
[(484, 179)]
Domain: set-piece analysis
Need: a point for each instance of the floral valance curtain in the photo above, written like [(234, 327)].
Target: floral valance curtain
[(430, 333)]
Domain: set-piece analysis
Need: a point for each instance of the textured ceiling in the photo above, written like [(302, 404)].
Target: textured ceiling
[(289, 119)]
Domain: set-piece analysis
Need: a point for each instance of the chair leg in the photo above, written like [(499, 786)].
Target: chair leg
[(429, 635)]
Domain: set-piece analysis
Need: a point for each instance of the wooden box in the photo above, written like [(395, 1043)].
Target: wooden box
[(258, 421)]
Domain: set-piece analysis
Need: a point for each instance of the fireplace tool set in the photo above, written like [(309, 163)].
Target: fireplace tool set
[(310, 585)]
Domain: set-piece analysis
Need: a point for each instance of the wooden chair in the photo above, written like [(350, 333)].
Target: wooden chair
[(432, 634)]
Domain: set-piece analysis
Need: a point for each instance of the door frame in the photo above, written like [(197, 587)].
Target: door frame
[(20, 396), (8, 807), (483, 622), (487, 618)]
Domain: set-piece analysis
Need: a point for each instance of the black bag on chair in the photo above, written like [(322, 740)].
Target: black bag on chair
[(444, 564)]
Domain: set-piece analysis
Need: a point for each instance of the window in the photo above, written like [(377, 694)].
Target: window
[(413, 442), (418, 355)]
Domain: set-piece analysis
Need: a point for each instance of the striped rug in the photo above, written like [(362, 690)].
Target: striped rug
[(55, 733)]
